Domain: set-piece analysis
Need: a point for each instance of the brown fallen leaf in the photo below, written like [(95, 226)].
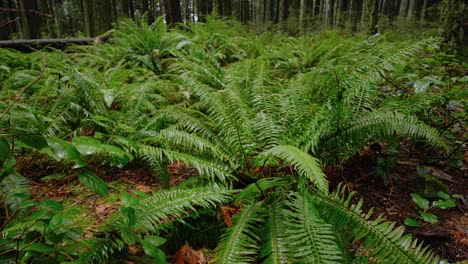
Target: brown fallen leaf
[(134, 249), (144, 188)]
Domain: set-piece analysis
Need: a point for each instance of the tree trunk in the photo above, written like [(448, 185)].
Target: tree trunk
[(403, 8), (369, 17), (423, 12), (4, 21), (173, 14), (453, 18), (88, 17), (30, 22), (301, 16), (268, 11), (410, 12)]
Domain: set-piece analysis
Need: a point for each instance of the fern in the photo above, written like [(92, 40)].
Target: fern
[(379, 238), (166, 205), (240, 243), (309, 237), (275, 246), (305, 164)]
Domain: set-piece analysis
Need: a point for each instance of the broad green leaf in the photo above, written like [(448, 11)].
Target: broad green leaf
[(151, 250), (443, 195), (444, 204), (56, 206), (155, 240), (65, 151), (421, 202), (120, 155), (87, 145), (93, 182), (38, 247), (33, 140), (429, 217), (411, 222), (4, 149), (56, 221), (60, 223)]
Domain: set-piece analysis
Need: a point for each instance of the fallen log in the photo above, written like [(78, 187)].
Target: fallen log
[(35, 44)]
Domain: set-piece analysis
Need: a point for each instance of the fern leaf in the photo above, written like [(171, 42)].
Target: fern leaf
[(310, 239), (240, 243), (206, 167), (165, 205), (386, 124), (275, 246), (305, 164), (380, 239), (190, 143)]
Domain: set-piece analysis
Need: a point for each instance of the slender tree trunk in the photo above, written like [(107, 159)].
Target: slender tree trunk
[(88, 17), (280, 11), (314, 7), (301, 15), (268, 11), (410, 13), (403, 8), (423, 12), (453, 18), (4, 21), (173, 14)]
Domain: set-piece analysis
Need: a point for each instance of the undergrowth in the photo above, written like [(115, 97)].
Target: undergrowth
[(258, 117)]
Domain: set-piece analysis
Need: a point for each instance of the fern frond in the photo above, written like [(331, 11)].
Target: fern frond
[(240, 243), (387, 124), (191, 121), (379, 238), (309, 238), (206, 167), (259, 187), (166, 205), (192, 143), (305, 164), (85, 93), (14, 189), (100, 249), (275, 246)]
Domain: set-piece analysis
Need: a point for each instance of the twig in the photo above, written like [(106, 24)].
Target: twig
[(24, 89), (8, 22)]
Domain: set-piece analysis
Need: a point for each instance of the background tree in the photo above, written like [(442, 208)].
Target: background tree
[(173, 14), (453, 16), (54, 18)]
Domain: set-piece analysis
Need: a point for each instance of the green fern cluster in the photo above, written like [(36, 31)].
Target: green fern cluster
[(262, 113)]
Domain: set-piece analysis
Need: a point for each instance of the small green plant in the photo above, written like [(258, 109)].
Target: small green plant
[(445, 201)]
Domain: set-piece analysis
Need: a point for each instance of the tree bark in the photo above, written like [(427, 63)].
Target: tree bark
[(173, 14), (369, 17), (88, 17), (30, 22), (453, 18)]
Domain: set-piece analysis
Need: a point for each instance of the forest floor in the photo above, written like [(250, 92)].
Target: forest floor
[(448, 237)]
